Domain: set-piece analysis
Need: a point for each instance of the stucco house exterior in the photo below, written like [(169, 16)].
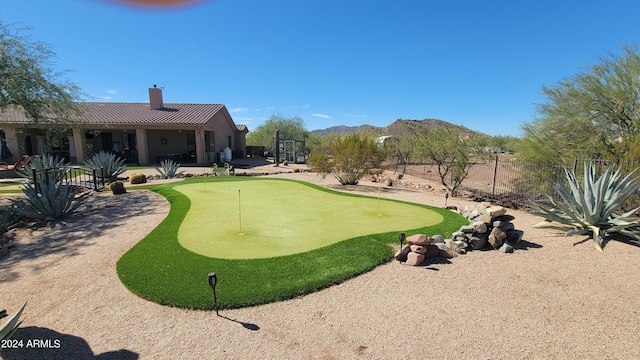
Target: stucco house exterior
[(143, 133)]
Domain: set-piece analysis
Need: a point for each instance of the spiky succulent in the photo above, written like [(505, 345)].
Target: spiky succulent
[(12, 324), (590, 208), (168, 169), (111, 165), (45, 164), (49, 200)]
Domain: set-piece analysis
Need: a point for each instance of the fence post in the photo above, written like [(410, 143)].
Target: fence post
[(95, 180), (495, 173)]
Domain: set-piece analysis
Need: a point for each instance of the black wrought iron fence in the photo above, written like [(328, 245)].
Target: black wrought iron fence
[(76, 176), (507, 181)]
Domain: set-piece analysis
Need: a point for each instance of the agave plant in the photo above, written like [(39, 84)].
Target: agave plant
[(168, 169), (111, 165), (45, 165), (12, 324), (49, 200), (590, 208)]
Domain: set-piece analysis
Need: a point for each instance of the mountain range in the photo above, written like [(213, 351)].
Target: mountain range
[(396, 128)]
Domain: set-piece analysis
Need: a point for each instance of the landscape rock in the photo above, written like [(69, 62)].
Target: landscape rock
[(480, 227), (514, 236), (401, 255), (506, 248), (418, 239), (496, 237), (449, 254), (496, 211), (414, 259), (435, 239), (419, 249), (432, 251)]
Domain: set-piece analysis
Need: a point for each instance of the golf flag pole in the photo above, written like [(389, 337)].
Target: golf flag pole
[(379, 181), (240, 213)]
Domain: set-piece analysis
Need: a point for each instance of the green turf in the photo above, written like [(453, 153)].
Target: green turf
[(267, 218), (159, 269)]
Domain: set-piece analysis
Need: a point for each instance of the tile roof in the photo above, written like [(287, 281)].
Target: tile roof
[(113, 113)]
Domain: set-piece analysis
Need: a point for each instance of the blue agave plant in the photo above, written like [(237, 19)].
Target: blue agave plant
[(591, 208)]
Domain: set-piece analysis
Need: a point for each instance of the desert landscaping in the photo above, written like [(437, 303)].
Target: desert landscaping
[(552, 298)]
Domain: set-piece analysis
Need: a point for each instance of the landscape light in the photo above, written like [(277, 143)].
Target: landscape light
[(401, 236), (213, 280)]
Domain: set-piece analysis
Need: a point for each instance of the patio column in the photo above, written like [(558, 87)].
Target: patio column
[(143, 146), (11, 137), (80, 144), (201, 157)]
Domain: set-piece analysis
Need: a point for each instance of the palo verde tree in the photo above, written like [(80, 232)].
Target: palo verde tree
[(451, 152), (351, 158), (595, 113), (29, 81), (290, 128)]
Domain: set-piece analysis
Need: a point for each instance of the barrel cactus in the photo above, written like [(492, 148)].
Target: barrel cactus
[(117, 187), (138, 178)]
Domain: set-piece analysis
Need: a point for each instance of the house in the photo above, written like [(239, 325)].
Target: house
[(142, 133)]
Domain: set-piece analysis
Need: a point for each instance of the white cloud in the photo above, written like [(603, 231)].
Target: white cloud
[(112, 92), (238, 109), (324, 116), (240, 118)]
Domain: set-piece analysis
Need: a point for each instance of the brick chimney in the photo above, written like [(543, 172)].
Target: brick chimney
[(155, 98)]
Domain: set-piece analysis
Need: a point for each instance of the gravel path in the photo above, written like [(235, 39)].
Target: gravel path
[(547, 300)]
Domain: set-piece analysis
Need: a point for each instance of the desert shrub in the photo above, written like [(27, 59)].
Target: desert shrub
[(138, 178), (168, 169), (352, 157), (111, 165), (117, 187), (285, 163), (295, 169), (590, 208)]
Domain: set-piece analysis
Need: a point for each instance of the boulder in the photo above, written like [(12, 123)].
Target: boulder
[(435, 239), (449, 254), (467, 229), (480, 227), (496, 237), (432, 251), (414, 259), (514, 236), (418, 239), (506, 248), (419, 249), (441, 246), (401, 255), (496, 211), (503, 225), (479, 241)]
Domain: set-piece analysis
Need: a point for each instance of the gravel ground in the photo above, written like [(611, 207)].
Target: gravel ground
[(550, 299)]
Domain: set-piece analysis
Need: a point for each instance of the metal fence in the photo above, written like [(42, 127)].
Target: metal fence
[(506, 181), (76, 176)]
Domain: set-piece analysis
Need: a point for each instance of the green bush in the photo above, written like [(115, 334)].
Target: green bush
[(138, 178), (117, 187)]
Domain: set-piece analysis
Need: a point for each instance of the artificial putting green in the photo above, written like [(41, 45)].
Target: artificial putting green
[(270, 217), (160, 269)]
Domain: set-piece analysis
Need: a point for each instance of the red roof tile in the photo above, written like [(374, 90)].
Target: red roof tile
[(112, 113)]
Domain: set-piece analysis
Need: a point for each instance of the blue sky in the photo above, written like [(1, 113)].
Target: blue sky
[(480, 64)]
